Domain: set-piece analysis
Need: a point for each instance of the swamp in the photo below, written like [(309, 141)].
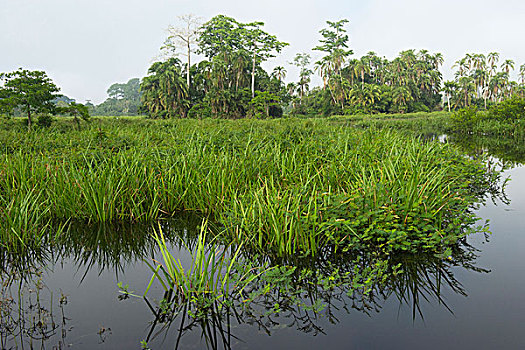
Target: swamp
[(213, 201), (258, 233)]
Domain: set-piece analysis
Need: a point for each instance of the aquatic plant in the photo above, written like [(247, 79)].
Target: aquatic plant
[(286, 186)]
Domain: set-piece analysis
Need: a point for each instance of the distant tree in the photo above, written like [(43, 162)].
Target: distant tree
[(31, 91), (507, 65), (449, 88), (124, 99), (184, 38), (164, 92), (279, 73), (335, 44), (521, 74), (129, 90), (302, 61), (77, 111)]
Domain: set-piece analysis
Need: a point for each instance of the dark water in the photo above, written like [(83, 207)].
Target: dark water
[(73, 300)]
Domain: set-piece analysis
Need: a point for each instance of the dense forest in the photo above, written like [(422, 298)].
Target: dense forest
[(231, 83), (214, 69)]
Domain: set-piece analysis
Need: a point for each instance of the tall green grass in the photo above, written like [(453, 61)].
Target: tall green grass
[(289, 186)]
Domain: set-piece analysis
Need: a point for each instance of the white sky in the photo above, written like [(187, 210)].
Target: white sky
[(87, 45)]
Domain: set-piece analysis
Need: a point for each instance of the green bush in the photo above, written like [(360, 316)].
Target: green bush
[(44, 120), (200, 111), (512, 109), (465, 119)]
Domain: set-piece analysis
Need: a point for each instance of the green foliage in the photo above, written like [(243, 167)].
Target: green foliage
[(208, 278), (465, 119), (124, 99), (224, 35), (77, 111), (199, 111), (44, 120), (289, 186), (262, 103), (223, 85), (31, 91), (511, 110), (164, 91)]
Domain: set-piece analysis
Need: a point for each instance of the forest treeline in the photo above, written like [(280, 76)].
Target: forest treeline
[(231, 83), (228, 80)]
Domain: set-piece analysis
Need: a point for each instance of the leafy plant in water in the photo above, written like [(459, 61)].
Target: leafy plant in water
[(206, 280)]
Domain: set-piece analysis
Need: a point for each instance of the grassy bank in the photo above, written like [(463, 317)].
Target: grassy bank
[(289, 186)]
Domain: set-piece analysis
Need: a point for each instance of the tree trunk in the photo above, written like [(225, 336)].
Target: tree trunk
[(188, 69), (448, 102), (253, 74), (28, 118)]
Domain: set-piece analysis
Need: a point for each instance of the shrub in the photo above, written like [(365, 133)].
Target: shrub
[(44, 120), (465, 119), (512, 109), (200, 111)]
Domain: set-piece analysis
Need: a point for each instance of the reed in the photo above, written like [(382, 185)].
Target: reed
[(289, 186), (211, 276)]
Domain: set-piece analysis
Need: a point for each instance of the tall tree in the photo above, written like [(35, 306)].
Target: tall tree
[(185, 38), (164, 92), (225, 37), (261, 44), (32, 91), (302, 61), (334, 44)]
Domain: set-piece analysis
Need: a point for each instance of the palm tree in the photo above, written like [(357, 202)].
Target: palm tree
[(304, 81), (324, 68), (438, 60), (360, 69), (497, 85), (449, 88), (401, 96), (521, 74), (507, 65), (466, 87), (164, 89), (279, 72)]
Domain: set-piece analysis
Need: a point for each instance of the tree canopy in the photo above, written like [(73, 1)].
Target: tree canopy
[(31, 91), (230, 81)]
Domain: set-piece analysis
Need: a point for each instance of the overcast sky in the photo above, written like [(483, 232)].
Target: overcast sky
[(86, 45)]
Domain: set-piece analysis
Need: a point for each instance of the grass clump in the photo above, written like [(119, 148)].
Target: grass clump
[(286, 186)]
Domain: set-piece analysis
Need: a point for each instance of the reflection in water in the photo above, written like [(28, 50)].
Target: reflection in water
[(303, 297), (30, 313), (509, 151), (113, 246)]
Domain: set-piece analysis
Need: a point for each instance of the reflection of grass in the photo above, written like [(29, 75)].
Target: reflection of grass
[(29, 313), (208, 278), (303, 295)]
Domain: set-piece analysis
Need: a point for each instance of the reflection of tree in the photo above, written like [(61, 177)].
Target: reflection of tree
[(510, 151), (313, 292)]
